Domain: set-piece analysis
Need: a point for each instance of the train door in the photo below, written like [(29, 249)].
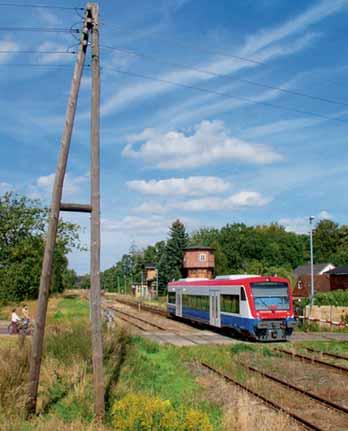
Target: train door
[(178, 302), (214, 308)]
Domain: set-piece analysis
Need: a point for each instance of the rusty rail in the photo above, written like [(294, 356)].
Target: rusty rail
[(315, 397), (272, 404), (147, 322), (332, 355), (312, 360)]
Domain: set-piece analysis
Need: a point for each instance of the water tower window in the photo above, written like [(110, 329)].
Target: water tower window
[(202, 257)]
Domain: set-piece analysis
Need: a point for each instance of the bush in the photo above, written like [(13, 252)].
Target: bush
[(336, 297), (142, 412)]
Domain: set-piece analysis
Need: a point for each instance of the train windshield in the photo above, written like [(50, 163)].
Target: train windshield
[(270, 295)]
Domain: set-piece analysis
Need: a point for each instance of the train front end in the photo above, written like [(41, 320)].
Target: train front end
[(272, 308)]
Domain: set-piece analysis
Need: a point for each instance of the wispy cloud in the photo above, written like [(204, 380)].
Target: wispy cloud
[(143, 226), (61, 56), (42, 188), (293, 26), (7, 44), (237, 201), (210, 143), (301, 224), (6, 187), (191, 186), (267, 45)]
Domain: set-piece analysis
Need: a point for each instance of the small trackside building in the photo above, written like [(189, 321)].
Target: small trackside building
[(198, 262)]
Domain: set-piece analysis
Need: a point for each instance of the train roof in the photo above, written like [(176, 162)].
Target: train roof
[(234, 280)]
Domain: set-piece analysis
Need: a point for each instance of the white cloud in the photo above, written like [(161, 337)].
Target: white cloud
[(7, 45), (44, 184), (47, 17), (191, 186), (5, 187), (53, 58), (209, 143), (140, 225), (243, 199), (300, 225), (237, 201)]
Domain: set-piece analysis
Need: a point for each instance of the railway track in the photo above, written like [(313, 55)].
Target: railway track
[(328, 354), (129, 318), (308, 424), (311, 395), (312, 360), (142, 306)]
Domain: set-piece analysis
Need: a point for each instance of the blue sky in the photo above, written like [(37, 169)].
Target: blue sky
[(170, 151)]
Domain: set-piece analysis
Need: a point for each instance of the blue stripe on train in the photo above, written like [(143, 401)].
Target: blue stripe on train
[(236, 322)]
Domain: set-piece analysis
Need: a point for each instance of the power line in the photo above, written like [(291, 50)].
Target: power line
[(210, 51), (228, 95), (219, 75), (41, 29), (41, 6), (60, 66), (251, 60), (28, 51)]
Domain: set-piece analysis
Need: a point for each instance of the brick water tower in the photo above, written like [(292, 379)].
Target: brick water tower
[(199, 262)]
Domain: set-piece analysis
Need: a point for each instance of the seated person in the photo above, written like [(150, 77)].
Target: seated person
[(14, 320)]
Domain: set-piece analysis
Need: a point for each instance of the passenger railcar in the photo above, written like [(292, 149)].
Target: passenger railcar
[(257, 307)]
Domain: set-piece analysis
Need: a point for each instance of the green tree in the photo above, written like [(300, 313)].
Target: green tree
[(326, 239), (170, 265), (23, 224)]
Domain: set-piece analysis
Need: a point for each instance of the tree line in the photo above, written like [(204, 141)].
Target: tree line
[(264, 250)]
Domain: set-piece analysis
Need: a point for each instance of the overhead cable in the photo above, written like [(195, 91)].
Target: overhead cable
[(28, 51), (228, 95), (220, 75), (41, 29), (218, 53), (40, 6)]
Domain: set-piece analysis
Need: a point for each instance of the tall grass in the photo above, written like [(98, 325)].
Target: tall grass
[(14, 368)]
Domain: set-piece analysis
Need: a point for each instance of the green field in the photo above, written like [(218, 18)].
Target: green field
[(148, 386)]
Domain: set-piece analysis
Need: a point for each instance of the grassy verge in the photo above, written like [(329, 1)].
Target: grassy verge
[(137, 373), (162, 371)]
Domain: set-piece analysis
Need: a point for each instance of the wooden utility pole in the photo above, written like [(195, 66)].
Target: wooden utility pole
[(95, 294), (90, 24), (46, 273)]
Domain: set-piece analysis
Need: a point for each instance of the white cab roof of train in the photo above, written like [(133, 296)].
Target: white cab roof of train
[(236, 276)]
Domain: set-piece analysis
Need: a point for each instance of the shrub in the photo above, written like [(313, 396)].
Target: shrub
[(335, 297), (142, 412)]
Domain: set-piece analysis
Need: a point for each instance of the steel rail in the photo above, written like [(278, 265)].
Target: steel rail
[(332, 355), (312, 360), (162, 328), (143, 306), (265, 400), (315, 397)]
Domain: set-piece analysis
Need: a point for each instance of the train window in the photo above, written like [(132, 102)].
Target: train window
[(230, 304), (242, 294), (268, 295), (171, 297), (197, 302)]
